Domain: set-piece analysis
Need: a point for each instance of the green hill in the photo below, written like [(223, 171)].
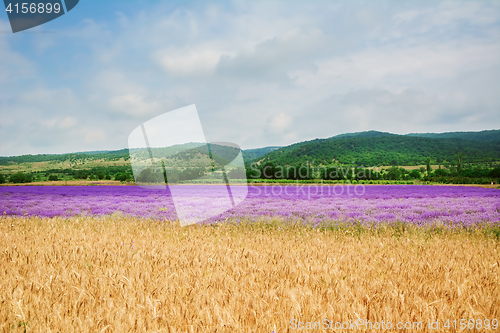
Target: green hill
[(251, 154), (80, 157), (106, 155), (480, 152), (374, 148), (489, 135)]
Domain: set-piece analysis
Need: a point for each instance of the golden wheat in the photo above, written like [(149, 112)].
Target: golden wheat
[(115, 274)]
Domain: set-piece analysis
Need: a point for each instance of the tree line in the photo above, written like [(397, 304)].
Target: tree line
[(120, 173), (451, 175)]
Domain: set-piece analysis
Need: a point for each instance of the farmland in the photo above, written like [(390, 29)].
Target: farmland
[(250, 166), (114, 274), (310, 205), (113, 258)]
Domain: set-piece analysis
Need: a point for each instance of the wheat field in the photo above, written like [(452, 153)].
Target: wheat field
[(118, 274)]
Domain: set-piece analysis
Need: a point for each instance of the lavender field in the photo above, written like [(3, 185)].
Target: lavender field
[(310, 205)]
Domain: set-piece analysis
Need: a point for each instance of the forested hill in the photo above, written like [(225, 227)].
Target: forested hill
[(251, 154), (369, 148), (82, 158), (374, 148), (490, 135)]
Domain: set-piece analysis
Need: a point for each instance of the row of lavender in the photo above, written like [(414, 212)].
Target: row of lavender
[(315, 205)]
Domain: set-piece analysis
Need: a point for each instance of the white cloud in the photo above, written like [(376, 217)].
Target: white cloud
[(398, 67), (13, 64), (132, 104), (260, 73), (279, 123), (93, 135), (189, 62), (275, 57), (59, 123)]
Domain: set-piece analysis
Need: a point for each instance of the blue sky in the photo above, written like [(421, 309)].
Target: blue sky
[(260, 72)]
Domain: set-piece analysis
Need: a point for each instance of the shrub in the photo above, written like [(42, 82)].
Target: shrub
[(81, 174), (20, 177), (123, 177)]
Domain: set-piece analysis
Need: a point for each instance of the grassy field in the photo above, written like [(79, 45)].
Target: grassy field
[(114, 274), (49, 165)]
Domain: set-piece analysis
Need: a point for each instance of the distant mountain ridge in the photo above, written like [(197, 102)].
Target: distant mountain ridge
[(487, 135), (367, 148), (373, 148), (248, 154)]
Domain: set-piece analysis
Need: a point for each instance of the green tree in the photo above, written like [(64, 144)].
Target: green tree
[(459, 163), (268, 171), (441, 173), (252, 172), (81, 174), (394, 173), (149, 175), (122, 177), (53, 177), (173, 177), (428, 165), (101, 174), (495, 172), (20, 177), (2, 179), (415, 174)]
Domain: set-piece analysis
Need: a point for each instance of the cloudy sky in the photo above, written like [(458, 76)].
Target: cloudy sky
[(260, 72)]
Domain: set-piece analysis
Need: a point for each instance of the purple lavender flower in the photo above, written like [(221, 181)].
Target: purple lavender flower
[(311, 205)]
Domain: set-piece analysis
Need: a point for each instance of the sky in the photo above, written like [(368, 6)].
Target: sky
[(261, 73)]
